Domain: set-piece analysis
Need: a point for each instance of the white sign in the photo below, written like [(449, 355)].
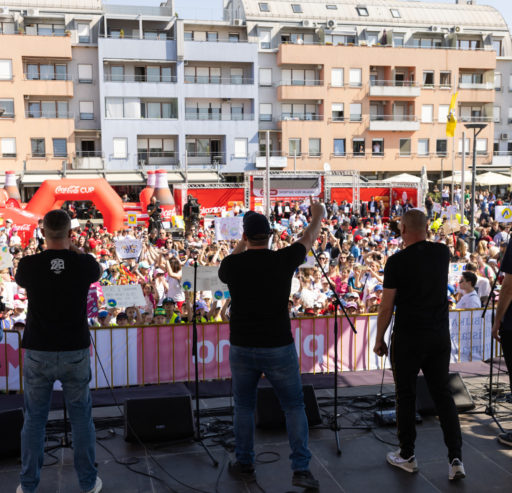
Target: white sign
[(309, 261), (123, 296), (455, 272), (74, 223), (451, 210), (5, 258), (128, 248), (503, 213), (437, 208), (228, 228), (207, 280)]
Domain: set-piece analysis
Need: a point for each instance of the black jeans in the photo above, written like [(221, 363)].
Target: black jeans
[(506, 347), (412, 350)]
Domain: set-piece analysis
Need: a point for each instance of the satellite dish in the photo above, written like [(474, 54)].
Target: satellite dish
[(327, 167)]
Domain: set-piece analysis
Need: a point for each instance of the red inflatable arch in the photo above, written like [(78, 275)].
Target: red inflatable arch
[(53, 192)]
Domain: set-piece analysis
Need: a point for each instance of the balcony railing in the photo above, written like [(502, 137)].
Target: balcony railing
[(160, 37), (214, 158), (234, 81), (300, 83), (476, 85), (49, 114), (476, 119), (300, 117), (140, 78), (393, 83), (81, 154), (393, 118), (47, 77), (219, 117)]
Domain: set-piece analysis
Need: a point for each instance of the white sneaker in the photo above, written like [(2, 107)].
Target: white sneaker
[(97, 487), (409, 465), (456, 470)]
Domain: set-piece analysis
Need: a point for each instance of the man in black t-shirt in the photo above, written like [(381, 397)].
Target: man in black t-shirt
[(261, 340), (415, 283), (502, 328), (56, 342)]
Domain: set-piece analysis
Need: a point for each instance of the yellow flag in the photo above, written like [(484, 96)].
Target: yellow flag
[(451, 122)]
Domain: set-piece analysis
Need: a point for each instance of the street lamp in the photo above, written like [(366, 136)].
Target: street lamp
[(477, 128)]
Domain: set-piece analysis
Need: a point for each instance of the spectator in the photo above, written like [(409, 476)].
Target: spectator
[(467, 284)]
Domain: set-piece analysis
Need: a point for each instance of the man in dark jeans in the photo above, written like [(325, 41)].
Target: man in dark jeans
[(262, 342), (56, 342), (502, 328), (415, 282)]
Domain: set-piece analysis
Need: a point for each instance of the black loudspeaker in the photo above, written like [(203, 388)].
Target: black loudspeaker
[(425, 404), (160, 419), (268, 410), (11, 423)]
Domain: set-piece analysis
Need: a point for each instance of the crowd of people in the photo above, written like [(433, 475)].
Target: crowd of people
[(352, 250)]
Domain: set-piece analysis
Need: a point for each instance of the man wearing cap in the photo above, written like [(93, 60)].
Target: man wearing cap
[(261, 340), (169, 305), (56, 342)]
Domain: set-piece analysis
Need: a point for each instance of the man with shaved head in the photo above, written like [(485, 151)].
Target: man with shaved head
[(415, 285)]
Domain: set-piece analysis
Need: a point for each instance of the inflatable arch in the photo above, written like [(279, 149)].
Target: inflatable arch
[(53, 193)]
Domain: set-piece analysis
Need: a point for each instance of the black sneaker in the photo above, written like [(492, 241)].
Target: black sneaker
[(505, 438), (245, 472), (304, 479)]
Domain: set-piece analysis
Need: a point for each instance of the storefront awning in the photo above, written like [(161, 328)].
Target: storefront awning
[(36, 179), (124, 178), (203, 177)]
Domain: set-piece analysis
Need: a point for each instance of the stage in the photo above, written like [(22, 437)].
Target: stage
[(361, 468)]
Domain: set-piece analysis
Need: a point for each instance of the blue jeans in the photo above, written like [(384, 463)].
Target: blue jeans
[(281, 366), (40, 370)]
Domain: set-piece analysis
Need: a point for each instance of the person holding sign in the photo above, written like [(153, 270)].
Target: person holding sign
[(261, 340), (56, 342), (421, 338)]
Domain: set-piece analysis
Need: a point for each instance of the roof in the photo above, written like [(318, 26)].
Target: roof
[(379, 13), (53, 4)]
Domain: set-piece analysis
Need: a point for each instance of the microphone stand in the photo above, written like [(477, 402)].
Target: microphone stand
[(490, 409), (195, 355), (337, 303)]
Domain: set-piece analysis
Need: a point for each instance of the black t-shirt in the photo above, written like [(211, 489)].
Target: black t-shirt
[(419, 273), (259, 282), (506, 267), (57, 283)]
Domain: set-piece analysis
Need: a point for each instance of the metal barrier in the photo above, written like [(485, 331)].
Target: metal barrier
[(6, 358)]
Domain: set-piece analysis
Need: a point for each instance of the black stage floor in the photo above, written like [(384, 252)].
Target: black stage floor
[(362, 467)]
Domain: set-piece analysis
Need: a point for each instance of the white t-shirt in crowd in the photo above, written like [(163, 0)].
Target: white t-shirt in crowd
[(470, 300)]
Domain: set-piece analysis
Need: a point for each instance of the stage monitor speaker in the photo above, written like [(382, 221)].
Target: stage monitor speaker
[(160, 419), (425, 404), (11, 423), (268, 410)]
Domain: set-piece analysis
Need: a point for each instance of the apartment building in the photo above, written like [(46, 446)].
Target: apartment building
[(502, 155), (367, 85), (47, 65)]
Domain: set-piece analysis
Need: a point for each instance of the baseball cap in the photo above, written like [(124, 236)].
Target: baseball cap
[(351, 304), (103, 314), (167, 300), (143, 265), (357, 238), (159, 311), (104, 252), (159, 271), (256, 224), (378, 287)]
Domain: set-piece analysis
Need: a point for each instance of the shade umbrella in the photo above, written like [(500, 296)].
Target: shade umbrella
[(491, 178), (457, 178), (403, 178)]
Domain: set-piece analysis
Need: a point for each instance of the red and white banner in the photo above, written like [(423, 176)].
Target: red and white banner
[(215, 201)]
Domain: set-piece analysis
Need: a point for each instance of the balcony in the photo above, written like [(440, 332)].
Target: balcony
[(276, 161), (39, 46), (502, 158), (392, 88), (37, 87), (49, 115), (306, 89), (302, 117), (136, 49), (163, 79), (88, 160), (221, 51), (206, 159), (158, 158), (477, 85), (220, 117), (393, 123)]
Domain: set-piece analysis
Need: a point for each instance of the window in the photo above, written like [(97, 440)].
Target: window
[(294, 147), (265, 112), (264, 36), (362, 11), (114, 107), (339, 147), (405, 147), (442, 113), (337, 112), (445, 79), (240, 148), (120, 148), (497, 81), (7, 27), (497, 46), (466, 146), (264, 7), (471, 78), (395, 13), (423, 147), (83, 31), (233, 37), (296, 8), (59, 148), (496, 113), (315, 147), (237, 112), (8, 146), (188, 36), (38, 148), (355, 112), (337, 77), (481, 146), (509, 120), (117, 73), (5, 69), (355, 77), (469, 44), (358, 147), (6, 108), (237, 75), (398, 39), (199, 35), (85, 73), (265, 76), (427, 113), (442, 147), (212, 36), (47, 109), (86, 110), (378, 147), (372, 38), (34, 109), (331, 6), (428, 78)]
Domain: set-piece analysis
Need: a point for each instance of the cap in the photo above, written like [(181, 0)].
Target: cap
[(104, 252), (357, 238), (159, 271), (378, 287), (143, 265), (159, 311), (8, 220), (102, 314), (167, 300), (351, 304), (201, 305), (255, 224)]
